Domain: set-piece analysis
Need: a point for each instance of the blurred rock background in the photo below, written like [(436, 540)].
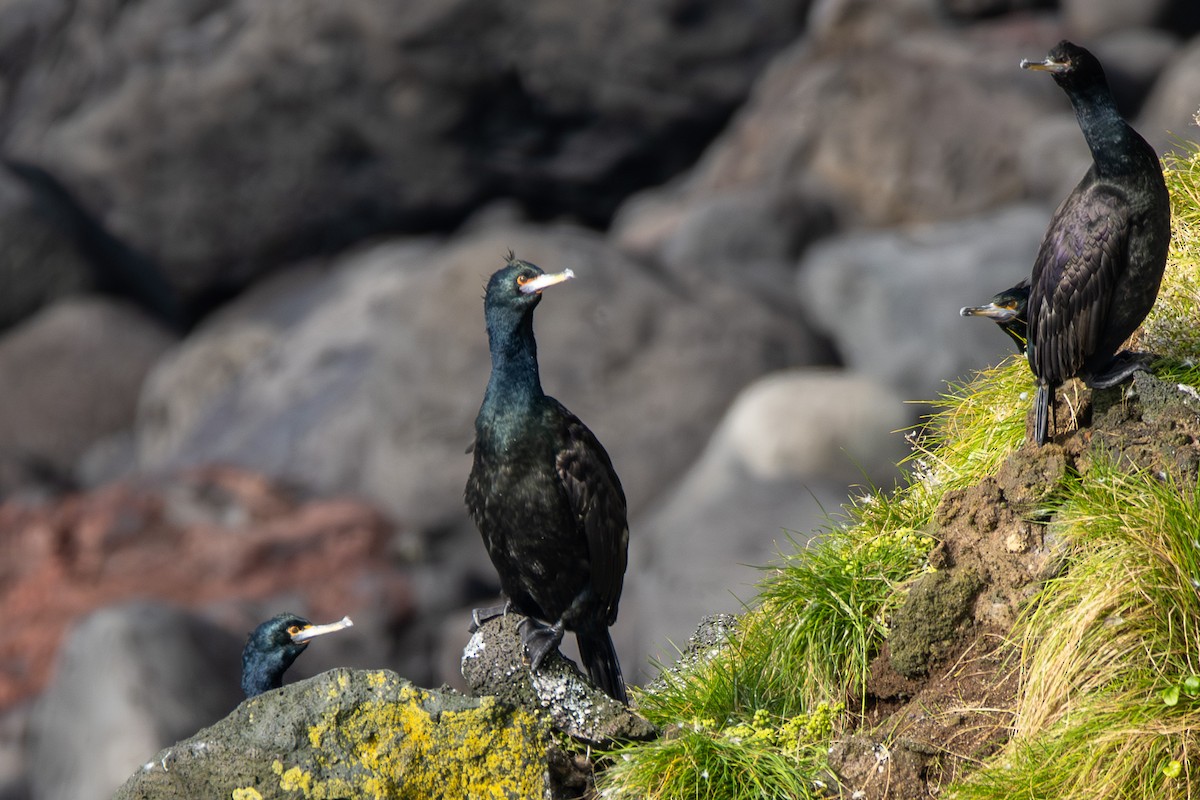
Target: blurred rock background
[(242, 249)]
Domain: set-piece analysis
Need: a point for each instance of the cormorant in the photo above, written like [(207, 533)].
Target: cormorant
[(1009, 310), (1097, 273), (274, 645), (544, 494)]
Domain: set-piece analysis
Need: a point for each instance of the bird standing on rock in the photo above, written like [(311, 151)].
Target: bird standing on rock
[(1009, 310), (274, 645), (544, 494), (1100, 264)]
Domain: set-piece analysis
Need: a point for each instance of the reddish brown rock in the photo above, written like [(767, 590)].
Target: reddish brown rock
[(207, 537)]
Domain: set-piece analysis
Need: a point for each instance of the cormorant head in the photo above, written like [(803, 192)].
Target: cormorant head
[(274, 645), (1009, 310), (512, 292), (1071, 66)]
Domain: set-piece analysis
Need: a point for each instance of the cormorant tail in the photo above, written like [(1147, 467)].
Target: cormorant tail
[(1041, 407), (600, 658)]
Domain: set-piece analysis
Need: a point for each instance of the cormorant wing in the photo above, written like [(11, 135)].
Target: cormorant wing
[(1073, 278), (598, 502)]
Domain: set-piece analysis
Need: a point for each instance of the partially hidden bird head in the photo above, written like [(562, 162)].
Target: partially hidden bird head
[(275, 644), (1008, 309), (514, 290), (1071, 66)]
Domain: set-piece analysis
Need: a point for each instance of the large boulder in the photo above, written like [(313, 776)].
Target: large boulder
[(890, 300), (784, 457), (222, 138), (129, 680), (72, 375), (355, 735), (1170, 111), (375, 387), (880, 116)]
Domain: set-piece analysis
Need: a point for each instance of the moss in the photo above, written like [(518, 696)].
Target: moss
[(936, 606)]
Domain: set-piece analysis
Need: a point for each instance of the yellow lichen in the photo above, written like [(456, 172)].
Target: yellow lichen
[(247, 793), (397, 750)]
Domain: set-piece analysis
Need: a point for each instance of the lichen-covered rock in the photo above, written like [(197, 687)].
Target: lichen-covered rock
[(494, 664), (356, 734)]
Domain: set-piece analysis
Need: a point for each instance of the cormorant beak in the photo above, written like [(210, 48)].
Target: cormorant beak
[(313, 631), (1046, 65), (536, 285), (991, 311)]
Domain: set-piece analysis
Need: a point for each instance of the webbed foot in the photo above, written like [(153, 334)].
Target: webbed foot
[(540, 639), (482, 615), (1120, 369)]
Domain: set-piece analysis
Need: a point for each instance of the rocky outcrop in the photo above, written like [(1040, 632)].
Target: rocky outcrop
[(355, 735)]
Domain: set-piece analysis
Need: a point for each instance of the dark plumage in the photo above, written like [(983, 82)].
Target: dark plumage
[(544, 494), (1100, 264), (274, 645), (1009, 310)]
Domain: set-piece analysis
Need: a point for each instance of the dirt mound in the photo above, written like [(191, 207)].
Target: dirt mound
[(941, 693)]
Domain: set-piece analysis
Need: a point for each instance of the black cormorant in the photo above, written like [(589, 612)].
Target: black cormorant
[(274, 645), (1100, 264), (1009, 310), (544, 494)]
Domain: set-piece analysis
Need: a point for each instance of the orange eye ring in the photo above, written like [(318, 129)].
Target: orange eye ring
[(293, 630), (523, 279)]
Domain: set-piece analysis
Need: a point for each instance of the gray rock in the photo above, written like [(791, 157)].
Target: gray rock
[(14, 726), (1170, 111), (72, 375), (1133, 58), (39, 264), (1085, 19), (322, 124), (883, 128), (494, 663), (129, 680), (355, 735), (890, 300), (784, 456), (375, 388)]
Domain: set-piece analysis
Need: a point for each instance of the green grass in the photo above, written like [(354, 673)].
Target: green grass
[(1111, 683)]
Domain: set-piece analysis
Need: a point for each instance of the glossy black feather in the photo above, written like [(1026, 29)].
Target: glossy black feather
[(1097, 273), (543, 491)]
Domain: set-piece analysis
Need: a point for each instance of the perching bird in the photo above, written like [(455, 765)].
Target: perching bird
[(274, 645), (1097, 273), (544, 494), (1008, 310)]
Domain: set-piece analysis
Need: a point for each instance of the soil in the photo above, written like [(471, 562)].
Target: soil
[(941, 694)]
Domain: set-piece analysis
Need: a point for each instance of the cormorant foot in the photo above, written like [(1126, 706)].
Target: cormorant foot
[(540, 639), (1120, 369), (482, 615)]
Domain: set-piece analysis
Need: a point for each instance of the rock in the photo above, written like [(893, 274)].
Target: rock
[(375, 388), (72, 375), (889, 301), (1133, 58), (925, 626), (494, 663), (784, 456), (222, 539), (881, 127), (39, 264), (355, 735), (1086, 19), (331, 123), (1170, 111), (128, 681), (14, 736)]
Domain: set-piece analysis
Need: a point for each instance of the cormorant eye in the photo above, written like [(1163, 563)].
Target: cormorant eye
[(523, 279), (294, 629)]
